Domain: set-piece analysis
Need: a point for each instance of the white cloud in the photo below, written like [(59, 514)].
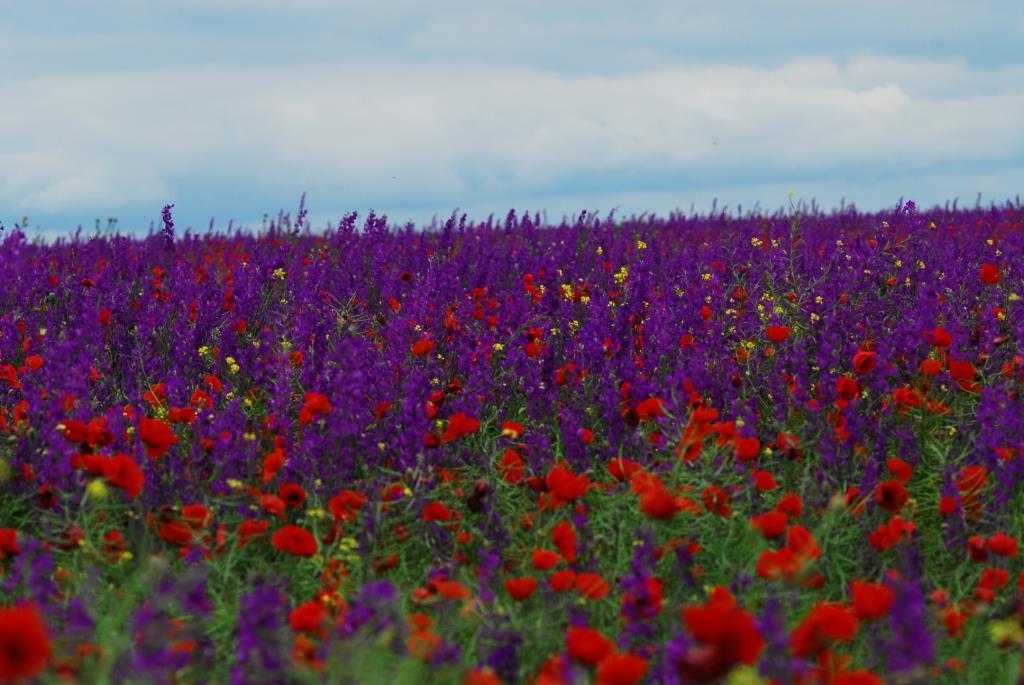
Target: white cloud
[(402, 132)]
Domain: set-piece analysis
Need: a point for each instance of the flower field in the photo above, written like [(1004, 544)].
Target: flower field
[(778, 448)]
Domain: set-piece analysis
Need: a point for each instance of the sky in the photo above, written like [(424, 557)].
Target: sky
[(232, 109)]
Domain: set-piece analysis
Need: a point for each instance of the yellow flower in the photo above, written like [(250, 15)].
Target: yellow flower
[(744, 675), (97, 489), (1006, 632)]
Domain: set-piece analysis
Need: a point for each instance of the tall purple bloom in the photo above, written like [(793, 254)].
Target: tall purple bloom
[(262, 652), (167, 232)]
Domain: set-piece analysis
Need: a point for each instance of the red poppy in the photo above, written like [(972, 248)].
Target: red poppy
[(764, 481), (249, 530), (197, 516), (25, 647), (482, 676), (437, 511), (889, 534), (346, 504), (864, 362), (992, 580), (157, 437), (847, 388), (76, 431), (520, 588), (777, 334), (47, 497), (929, 367), (621, 669), (272, 463), (592, 585), (771, 524), (272, 504), (802, 543), (947, 506), (176, 533), (213, 383), (623, 469), (650, 408), (954, 619), (562, 581), (727, 636), (587, 645), (747, 449), (181, 415), (295, 541), (891, 495), (156, 396), (565, 485), (422, 347), (870, 600), (314, 406), (827, 622), (512, 429), (658, 503), (900, 469), (774, 564), (976, 548), (939, 337), (544, 560), (511, 467), (964, 373), (989, 274), (452, 589), (1003, 545), (565, 540), (716, 501), (307, 617), (8, 542), (458, 425), (790, 504), (292, 494), (972, 479)]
